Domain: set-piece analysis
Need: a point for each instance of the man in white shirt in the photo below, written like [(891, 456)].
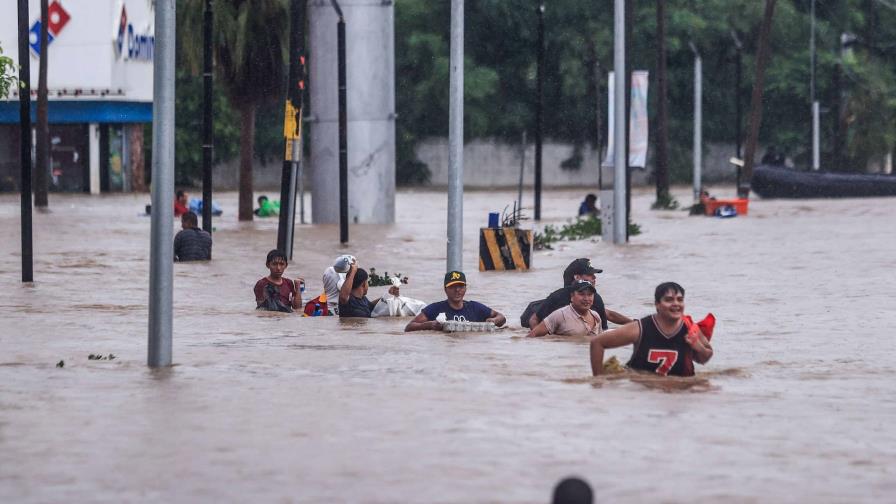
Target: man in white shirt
[(575, 319)]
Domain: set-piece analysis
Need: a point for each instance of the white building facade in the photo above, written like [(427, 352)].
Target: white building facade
[(100, 55)]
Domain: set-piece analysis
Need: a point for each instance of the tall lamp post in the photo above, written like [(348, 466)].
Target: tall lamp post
[(207, 118), (456, 138), (292, 128), (698, 123), (539, 108), (343, 128), (738, 72), (816, 140), (25, 141)]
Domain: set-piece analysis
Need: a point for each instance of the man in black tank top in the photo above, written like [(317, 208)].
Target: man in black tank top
[(663, 343)]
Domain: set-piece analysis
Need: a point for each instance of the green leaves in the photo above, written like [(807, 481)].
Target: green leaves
[(7, 74)]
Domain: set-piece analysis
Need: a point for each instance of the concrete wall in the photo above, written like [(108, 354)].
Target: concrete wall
[(265, 176), (493, 163)]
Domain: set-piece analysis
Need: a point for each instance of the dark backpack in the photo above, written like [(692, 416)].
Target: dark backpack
[(272, 300), (529, 311)]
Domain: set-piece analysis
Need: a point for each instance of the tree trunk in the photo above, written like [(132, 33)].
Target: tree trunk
[(42, 154), (662, 126), (247, 140), (756, 101), (135, 157)]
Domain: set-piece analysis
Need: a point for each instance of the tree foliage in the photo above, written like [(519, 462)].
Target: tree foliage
[(500, 39), (7, 74)]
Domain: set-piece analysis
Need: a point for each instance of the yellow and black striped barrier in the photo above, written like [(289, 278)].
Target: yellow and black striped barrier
[(505, 249)]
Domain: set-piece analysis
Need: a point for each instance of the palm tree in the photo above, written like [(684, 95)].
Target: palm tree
[(250, 47)]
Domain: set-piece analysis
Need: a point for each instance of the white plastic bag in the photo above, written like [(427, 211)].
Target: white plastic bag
[(397, 306)]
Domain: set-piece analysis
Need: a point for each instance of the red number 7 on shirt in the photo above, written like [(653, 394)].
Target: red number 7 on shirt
[(665, 358)]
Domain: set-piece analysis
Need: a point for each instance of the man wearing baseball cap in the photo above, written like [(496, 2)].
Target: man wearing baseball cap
[(454, 307), (579, 269), (575, 319)]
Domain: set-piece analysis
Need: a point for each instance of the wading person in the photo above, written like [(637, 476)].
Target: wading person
[(276, 292), (181, 203), (666, 343), (332, 279), (454, 307), (580, 269), (192, 243), (575, 319), (353, 300)]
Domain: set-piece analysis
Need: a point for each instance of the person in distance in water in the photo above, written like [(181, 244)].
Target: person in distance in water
[(665, 343)]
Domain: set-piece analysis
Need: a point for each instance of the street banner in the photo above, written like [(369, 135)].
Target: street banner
[(638, 126)]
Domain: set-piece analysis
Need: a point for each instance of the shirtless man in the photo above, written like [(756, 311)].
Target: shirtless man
[(663, 343), (575, 319)]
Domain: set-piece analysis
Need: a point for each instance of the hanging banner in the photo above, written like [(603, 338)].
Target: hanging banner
[(638, 126)]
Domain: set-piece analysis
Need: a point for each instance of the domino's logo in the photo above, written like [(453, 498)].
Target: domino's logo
[(129, 44), (57, 18)]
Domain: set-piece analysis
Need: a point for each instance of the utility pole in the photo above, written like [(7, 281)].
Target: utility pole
[(42, 154), (620, 123), (292, 127), (208, 138), (25, 141), (738, 67), (756, 102), (662, 108), (539, 108), (698, 123), (343, 127), (816, 164), (161, 253), (456, 139)]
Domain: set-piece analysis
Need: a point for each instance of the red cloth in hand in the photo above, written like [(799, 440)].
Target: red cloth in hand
[(705, 326)]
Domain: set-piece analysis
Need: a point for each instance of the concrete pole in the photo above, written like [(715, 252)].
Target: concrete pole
[(698, 123), (161, 253), (816, 164), (370, 54), (456, 139), (620, 123)]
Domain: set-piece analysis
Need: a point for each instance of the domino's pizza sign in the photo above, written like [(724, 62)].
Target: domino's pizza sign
[(57, 18), (130, 45)]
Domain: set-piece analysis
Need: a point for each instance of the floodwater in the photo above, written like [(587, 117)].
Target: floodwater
[(798, 404)]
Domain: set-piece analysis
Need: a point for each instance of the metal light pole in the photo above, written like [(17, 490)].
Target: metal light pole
[(816, 163), (620, 123), (25, 141), (161, 257), (738, 63), (539, 108), (343, 128), (698, 123), (292, 128), (208, 138), (456, 139)]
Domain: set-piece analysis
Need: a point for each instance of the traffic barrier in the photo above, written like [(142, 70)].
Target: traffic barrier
[(505, 248)]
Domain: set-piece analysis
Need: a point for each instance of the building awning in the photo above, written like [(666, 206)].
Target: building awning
[(82, 111)]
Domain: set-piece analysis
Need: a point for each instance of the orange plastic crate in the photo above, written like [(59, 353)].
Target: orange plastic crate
[(739, 205)]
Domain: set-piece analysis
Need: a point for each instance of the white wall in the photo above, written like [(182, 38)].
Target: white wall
[(494, 163)]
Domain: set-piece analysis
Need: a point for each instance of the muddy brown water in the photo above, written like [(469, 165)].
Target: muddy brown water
[(798, 404)]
